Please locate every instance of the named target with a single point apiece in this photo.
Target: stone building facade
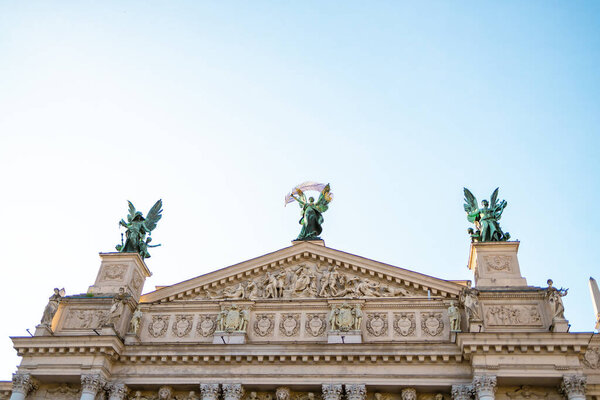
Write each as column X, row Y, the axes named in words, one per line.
column 309, row 322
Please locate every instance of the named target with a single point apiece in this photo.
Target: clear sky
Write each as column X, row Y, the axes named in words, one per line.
column 220, row 108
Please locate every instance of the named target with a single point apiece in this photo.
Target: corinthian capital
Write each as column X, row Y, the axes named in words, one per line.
column 573, row 386
column 232, row 391
column 332, row 391
column 23, row 383
column 462, row 392
column 484, row 386
column 92, row 383
column 356, row 392
column 409, row 394
column 209, row 391
column 117, row 391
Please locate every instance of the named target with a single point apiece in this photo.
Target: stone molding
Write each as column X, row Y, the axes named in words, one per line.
column 117, row 391
column 332, row 391
column 92, row 383
column 409, row 394
column 462, row 392
column 232, row 391
column 209, row 391
column 356, row 392
column 573, row 386
column 484, row 386
column 24, row 383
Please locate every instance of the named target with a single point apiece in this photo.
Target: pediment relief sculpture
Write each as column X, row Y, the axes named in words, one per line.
column 307, row 280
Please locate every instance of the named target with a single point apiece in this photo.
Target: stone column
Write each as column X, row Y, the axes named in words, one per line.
column 209, row 391
column 232, row 391
column 573, row 387
column 117, row 391
column 462, row 392
column 409, row 394
column 90, row 385
column 484, row 387
column 356, row 392
column 22, row 385
column 332, row 391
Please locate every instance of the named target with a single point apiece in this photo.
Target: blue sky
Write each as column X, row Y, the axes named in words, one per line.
column 220, row 108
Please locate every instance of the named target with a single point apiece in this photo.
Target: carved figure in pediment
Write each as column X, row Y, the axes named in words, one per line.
column 305, row 281
column 368, row 288
column 281, row 283
column 270, row 285
column 387, row 291
column 329, row 282
column 52, row 306
column 234, row 292
column 469, row 300
column 252, row 290
column 134, row 324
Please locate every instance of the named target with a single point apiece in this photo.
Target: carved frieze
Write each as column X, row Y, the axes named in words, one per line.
column 377, row 324
column 264, row 323
column 432, row 324
column 405, row 324
column 591, row 358
column 503, row 315
column 207, row 324
column 158, row 326
column 315, row 324
column 182, row 325
column 84, row 318
column 527, row 392
column 289, row 325
column 498, row 263
column 114, row 272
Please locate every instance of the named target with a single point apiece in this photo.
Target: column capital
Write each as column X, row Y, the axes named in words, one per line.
column 484, row 386
column 232, row 391
column 356, row 392
column 165, row 393
column 209, row 391
column 573, row 386
column 332, row 391
column 462, row 392
column 92, row 383
column 117, row 391
column 409, row 394
column 23, row 383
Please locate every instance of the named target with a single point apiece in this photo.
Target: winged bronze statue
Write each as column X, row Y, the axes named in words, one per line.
column 137, row 227
column 485, row 218
column 312, row 213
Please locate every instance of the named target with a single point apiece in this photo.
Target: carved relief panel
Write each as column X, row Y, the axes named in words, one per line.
column 207, row 324
column 182, row 325
column 263, row 324
column 405, row 324
column 289, row 324
column 315, row 324
column 512, row 315
column 377, row 324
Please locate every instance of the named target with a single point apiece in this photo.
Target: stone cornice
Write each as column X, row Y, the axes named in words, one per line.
column 307, row 252
column 110, row 346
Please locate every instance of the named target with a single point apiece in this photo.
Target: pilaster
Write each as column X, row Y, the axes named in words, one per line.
column 573, row 387
column 332, row 391
column 356, row 392
column 232, row 391
column 484, row 387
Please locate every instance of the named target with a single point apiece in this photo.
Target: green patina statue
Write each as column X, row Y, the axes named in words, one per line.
column 312, row 216
column 137, row 227
column 485, row 218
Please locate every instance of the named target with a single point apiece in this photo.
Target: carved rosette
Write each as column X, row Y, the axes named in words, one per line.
column 232, row 391
column 23, row 383
column 182, row 325
column 404, row 324
column 264, row 323
column 289, row 324
column 573, row 386
column 92, row 383
column 209, row 391
column 462, row 392
column 165, row 393
column 484, row 386
column 117, row 391
column 332, row 391
column 377, row 324
column 409, row 394
column 356, row 392
column 207, row 324
column 158, row 327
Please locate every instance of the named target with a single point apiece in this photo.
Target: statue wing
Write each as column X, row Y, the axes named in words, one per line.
column 154, row 215
column 494, row 199
column 324, row 199
column 132, row 211
column 470, row 202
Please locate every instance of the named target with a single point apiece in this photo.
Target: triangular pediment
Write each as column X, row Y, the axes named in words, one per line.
column 306, row 270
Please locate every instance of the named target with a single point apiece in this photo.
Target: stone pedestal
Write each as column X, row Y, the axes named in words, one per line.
column 476, row 325
column 344, row 337
column 495, row 265
column 559, row 325
column 319, row 242
column 121, row 270
column 229, row 338
column 43, row 330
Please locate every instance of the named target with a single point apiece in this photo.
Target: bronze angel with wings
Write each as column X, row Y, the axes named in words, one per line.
column 312, row 213
column 137, row 227
column 485, row 218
